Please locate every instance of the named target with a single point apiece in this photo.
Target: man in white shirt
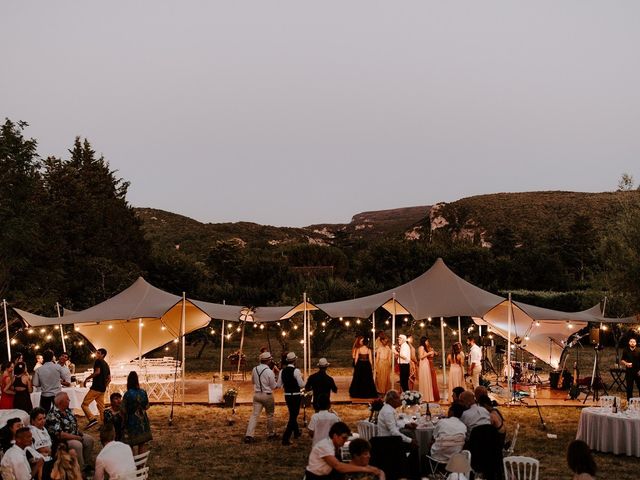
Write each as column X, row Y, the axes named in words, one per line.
column 115, row 458
column 264, row 382
column 323, row 461
column 404, row 361
column 474, row 415
column 15, row 459
column 388, row 425
column 475, row 361
column 449, row 435
column 322, row 421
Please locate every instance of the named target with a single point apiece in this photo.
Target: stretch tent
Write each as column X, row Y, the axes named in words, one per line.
column 543, row 331
column 137, row 320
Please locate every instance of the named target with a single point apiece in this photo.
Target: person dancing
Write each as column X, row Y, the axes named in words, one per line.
column 428, row 381
column 455, row 361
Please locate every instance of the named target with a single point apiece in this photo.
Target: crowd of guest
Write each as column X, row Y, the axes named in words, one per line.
column 50, row 444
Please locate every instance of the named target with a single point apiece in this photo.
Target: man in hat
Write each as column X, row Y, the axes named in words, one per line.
column 291, row 380
column 264, row 382
column 320, row 383
column 404, row 362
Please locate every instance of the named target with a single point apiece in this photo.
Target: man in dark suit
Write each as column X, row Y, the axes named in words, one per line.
column 631, row 360
column 321, row 383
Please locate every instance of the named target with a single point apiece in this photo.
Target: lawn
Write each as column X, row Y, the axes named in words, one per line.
column 202, row 444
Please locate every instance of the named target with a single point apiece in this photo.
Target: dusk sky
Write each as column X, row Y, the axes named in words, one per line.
column 293, row 113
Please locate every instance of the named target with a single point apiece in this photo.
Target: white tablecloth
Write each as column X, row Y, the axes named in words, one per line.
column 76, row 396
column 6, row 415
column 607, row 432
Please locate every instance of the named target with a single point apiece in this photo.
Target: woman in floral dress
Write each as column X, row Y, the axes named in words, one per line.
column 134, row 410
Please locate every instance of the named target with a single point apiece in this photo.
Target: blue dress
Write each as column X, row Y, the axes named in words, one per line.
column 136, row 423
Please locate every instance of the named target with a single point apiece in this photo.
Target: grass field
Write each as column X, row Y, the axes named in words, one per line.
column 202, row 444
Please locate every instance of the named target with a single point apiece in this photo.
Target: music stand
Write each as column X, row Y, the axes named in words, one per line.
column 487, row 366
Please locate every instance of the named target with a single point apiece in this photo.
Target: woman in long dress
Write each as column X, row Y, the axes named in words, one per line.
column 134, row 408
column 22, row 388
column 383, row 366
column 362, row 385
column 427, row 379
column 455, row 361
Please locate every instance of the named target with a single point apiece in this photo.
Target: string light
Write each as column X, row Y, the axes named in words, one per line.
column 537, row 324
column 80, row 343
column 255, row 325
column 175, row 340
column 42, row 330
column 358, row 321
column 262, row 326
column 604, row 327
column 301, row 342
column 295, row 327
column 405, row 319
column 13, row 341
column 228, row 337
column 30, row 330
column 77, row 329
column 347, row 323
column 340, row 318
column 37, row 347
column 166, row 349
column 110, row 327
column 284, row 334
column 491, row 336
column 526, row 338
column 229, row 326
column 422, row 325
column 310, row 332
column 163, row 328
column 324, row 324
column 386, row 322
column 49, row 337
column 429, row 319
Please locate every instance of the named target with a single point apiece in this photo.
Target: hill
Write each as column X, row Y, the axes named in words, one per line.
column 528, row 215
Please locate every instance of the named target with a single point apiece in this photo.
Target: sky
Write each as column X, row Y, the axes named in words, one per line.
column 292, row 113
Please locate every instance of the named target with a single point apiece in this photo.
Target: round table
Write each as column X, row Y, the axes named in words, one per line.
column 617, row 433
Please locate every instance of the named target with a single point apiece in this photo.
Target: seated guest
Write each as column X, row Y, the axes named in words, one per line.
column 581, row 461
column 360, row 451
column 449, row 435
column 41, row 439
column 113, row 415
column 322, row 421
column 15, row 458
column 474, row 415
column 388, row 425
column 496, row 417
column 323, row 463
column 63, row 428
column 479, row 391
column 8, row 433
column 66, row 466
column 115, row 458
column 455, row 397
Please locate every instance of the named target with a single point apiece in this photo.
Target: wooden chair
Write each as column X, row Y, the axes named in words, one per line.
column 521, row 468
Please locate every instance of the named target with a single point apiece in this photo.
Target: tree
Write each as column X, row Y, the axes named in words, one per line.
column 99, row 239
column 626, row 183
column 26, row 269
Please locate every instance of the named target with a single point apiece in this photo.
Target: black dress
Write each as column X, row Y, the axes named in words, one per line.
column 362, row 385
column 22, row 398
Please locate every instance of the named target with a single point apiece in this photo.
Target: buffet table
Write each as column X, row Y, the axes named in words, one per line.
column 617, row 433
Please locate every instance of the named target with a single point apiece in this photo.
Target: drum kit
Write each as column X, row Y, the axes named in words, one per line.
column 524, row 373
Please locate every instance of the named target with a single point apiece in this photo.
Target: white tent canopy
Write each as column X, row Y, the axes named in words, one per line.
column 543, row 331
column 114, row 324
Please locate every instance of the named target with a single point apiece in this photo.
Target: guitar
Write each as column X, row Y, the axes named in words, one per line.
column 574, row 390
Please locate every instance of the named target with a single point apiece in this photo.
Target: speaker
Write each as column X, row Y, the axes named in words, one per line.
column 594, row 336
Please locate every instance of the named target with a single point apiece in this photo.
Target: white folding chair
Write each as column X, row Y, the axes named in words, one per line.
column 142, row 474
column 512, row 446
column 521, row 468
column 367, row 430
column 449, row 445
column 141, row 459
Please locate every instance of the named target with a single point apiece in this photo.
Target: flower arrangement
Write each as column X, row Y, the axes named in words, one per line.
column 410, row 397
column 374, row 409
column 231, row 393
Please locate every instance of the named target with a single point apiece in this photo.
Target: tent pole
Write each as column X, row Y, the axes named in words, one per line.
column 373, row 331
column 221, row 349
column 140, row 344
column 64, row 347
column 304, row 332
column 183, row 329
column 393, row 342
column 241, row 345
column 445, row 394
column 224, row 302
column 309, row 318
column 6, row 328
column 509, row 321
column 459, row 331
